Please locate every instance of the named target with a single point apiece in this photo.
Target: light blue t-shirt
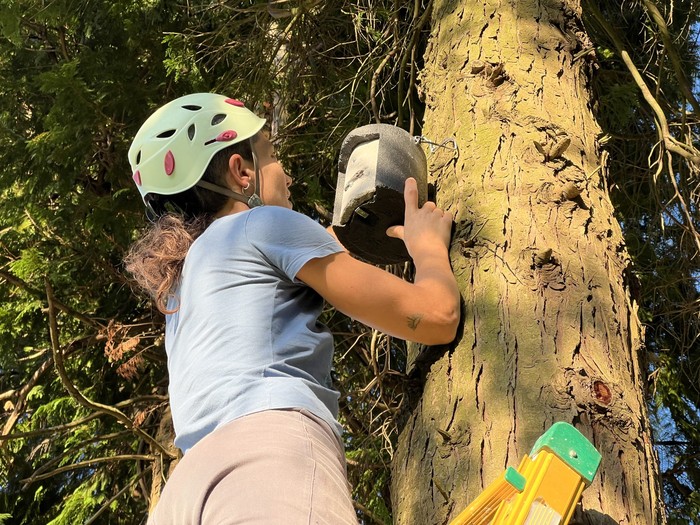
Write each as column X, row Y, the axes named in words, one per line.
column 246, row 337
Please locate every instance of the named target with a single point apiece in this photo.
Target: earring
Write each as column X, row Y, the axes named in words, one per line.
column 246, row 187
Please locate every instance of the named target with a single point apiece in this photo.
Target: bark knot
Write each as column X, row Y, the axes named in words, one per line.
column 602, row 393
column 494, row 73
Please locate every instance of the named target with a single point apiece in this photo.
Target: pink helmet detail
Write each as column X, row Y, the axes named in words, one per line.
column 169, row 163
column 137, row 177
column 235, row 102
column 227, row 135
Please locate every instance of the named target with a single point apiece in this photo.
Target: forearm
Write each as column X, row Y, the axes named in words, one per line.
column 437, row 284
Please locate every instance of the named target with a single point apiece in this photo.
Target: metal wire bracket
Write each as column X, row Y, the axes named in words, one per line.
column 449, row 143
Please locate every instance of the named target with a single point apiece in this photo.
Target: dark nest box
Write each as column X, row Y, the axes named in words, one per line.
column 374, row 163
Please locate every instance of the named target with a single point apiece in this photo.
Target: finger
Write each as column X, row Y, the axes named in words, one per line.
column 410, row 195
column 395, row 231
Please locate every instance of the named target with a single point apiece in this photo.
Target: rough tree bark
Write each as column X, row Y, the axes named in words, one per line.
column 550, row 332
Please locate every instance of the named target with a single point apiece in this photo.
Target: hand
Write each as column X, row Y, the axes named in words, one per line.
column 426, row 230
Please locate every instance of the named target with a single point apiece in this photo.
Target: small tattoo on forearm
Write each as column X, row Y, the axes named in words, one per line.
column 413, row 321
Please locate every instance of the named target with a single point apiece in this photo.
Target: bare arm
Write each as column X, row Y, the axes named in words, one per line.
column 425, row 311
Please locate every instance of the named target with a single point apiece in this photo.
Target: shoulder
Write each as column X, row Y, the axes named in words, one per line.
column 275, row 212
column 273, row 230
column 287, row 239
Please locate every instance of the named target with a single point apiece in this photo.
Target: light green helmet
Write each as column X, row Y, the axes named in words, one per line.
column 173, row 148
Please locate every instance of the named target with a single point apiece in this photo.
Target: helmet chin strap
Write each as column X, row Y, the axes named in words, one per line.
column 252, row 201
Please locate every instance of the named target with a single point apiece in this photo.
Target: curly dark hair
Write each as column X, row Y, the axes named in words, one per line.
column 155, row 260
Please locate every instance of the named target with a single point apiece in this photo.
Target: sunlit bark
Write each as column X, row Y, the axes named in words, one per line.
column 549, row 330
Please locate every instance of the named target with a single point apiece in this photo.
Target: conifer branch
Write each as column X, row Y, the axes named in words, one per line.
column 79, row 396
column 78, row 422
column 671, row 144
column 108, row 503
column 9, row 394
column 22, row 397
column 19, row 283
column 89, row 463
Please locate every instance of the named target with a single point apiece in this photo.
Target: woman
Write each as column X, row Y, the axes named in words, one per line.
column 242, row 286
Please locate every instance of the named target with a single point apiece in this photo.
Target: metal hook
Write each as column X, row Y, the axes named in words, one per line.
column 420, row 139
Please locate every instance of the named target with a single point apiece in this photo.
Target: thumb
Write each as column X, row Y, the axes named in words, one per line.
column 395, row 231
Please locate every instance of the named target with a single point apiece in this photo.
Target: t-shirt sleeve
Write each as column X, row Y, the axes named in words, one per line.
column 287, row 239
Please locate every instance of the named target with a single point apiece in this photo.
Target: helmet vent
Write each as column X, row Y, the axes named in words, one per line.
column 138, row 157
column 192, row 107
column 166, row 134
column 190, row 131
column 218, row 119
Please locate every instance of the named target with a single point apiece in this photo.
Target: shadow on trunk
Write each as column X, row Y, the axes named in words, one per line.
column 591, row 517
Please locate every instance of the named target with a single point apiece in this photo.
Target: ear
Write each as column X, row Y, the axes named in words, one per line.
column 239, row 175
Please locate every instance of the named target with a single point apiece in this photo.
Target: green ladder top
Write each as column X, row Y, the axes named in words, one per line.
column 572, row 447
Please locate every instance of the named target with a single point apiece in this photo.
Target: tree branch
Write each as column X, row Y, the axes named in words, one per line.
column 22, row 397
column 684, row 206
column 671, row 144
column 409, row 52
column 686, row 151
column 375, row 78
column 57, row 459
column 7, row 395
column 126, row 487
column 88, row 463
column 73, row 424
column 672, row 53
column 57, row 304
column 368, row 513
column 77, row 395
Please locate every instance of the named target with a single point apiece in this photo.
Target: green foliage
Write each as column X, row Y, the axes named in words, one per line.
column 30, row 263
column 65, row 123
column 78, row 507
column 616, row 102
column 369, row 485
column 76, row 80
column 180, row 61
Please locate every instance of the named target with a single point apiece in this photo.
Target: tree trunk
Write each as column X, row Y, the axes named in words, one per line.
column 550, row 332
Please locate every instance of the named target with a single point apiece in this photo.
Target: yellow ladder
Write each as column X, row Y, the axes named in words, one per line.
column 545, row 488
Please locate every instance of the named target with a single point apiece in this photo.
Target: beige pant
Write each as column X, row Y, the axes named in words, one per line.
column 273, row 467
